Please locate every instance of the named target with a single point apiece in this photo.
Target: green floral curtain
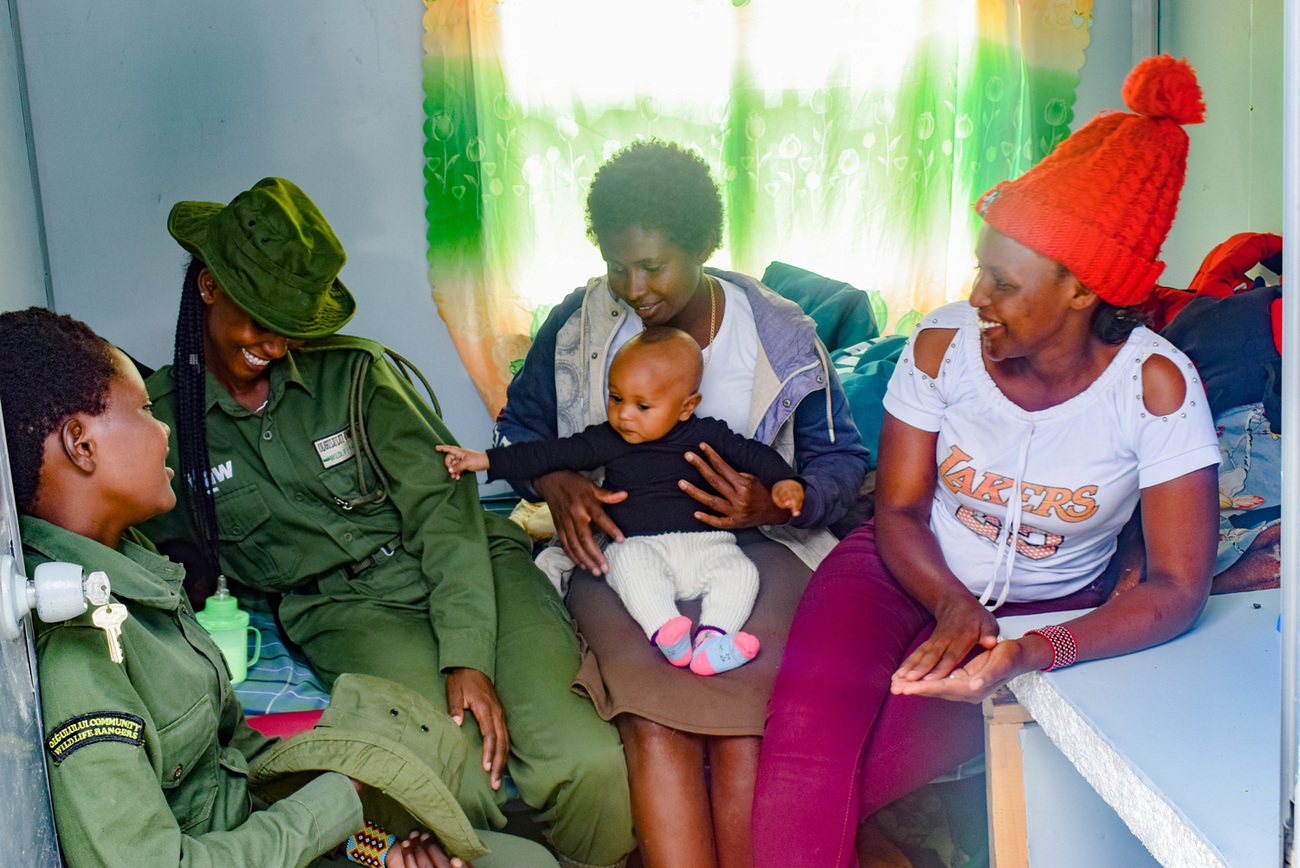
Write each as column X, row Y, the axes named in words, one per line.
column 849, row 138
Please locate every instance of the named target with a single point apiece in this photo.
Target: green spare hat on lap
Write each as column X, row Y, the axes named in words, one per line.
column 272, row 251
column 387, row 736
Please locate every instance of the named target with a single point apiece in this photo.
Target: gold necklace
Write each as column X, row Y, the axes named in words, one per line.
column 713, row 322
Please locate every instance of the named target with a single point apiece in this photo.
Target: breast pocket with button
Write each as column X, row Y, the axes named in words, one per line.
column 187, row 765
column 341, row 482
column 252, row 542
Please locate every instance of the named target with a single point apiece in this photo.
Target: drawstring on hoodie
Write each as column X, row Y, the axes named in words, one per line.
column 826, row 372
column 1008, row 545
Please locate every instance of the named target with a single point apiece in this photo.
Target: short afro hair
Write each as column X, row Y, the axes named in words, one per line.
column 52, row 367
column 656, row 185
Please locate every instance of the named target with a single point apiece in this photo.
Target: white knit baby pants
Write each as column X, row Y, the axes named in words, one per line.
column 651, row 573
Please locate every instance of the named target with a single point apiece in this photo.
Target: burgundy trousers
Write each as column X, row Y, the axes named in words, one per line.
column 838, row 745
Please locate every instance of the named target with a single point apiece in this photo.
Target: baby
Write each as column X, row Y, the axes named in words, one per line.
column 668, row 554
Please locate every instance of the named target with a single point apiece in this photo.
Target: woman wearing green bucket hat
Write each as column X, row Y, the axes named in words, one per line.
column 306, row 467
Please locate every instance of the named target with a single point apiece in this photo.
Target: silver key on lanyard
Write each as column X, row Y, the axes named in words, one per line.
column 109, row 619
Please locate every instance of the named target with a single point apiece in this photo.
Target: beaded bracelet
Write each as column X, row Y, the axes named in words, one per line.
column 1064, row 651
column 369, row 846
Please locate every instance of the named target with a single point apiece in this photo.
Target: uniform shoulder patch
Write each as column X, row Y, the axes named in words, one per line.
column 74, row 734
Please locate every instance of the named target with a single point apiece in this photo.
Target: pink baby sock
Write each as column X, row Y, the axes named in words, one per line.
column 719, row 652
column 674, row 639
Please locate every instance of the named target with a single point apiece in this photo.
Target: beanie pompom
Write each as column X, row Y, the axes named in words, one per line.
column 1101, row 203
column 1162, row 87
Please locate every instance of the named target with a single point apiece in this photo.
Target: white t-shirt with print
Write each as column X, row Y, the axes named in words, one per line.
column 1079, row 465
column 728, row 383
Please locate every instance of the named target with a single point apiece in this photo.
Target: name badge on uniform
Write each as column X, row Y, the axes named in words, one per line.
column 335, row 448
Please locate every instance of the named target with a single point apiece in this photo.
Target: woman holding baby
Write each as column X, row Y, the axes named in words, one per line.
column 656, row 215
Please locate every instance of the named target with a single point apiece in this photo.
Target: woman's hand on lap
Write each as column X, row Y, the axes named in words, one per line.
column 741, row 498
column 471, row 689
column 961, row 624
column 575, row 504
column 982, row 674
column 421, row 850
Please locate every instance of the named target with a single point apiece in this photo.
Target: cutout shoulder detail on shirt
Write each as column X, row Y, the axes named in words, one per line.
column 1163, row 386
column 929, row 349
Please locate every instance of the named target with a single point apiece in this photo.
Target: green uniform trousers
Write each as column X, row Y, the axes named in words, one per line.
column 566, row 762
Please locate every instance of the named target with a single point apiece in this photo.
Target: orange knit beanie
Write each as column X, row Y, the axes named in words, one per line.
column 1101, row 204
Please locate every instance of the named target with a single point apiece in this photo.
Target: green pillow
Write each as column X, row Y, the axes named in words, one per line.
column 841, row 311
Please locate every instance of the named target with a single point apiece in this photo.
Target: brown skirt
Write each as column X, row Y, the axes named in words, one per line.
column 623, row 673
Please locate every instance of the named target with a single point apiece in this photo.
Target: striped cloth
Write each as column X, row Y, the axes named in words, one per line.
column 281, row 680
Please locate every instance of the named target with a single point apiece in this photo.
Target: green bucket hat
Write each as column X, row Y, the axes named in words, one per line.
column 272, row 251
column 387, row 736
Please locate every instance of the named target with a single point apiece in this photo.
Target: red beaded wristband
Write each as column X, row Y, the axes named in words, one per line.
column 1064, row 651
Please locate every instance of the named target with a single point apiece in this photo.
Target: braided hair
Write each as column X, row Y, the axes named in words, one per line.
column 188, row 374
column 52, row 367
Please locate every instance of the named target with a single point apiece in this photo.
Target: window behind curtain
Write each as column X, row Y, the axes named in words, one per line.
column 849, row 138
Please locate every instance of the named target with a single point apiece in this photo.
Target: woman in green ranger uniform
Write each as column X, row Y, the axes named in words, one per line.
column 305, row 466
column 148, row 749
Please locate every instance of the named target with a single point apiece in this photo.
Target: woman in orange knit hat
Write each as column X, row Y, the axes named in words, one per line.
column 1022, row 429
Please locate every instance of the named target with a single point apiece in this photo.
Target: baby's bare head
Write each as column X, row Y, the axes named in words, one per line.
column 671, row 352
column 654, row 382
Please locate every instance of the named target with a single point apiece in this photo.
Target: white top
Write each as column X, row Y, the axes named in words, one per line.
column 729, row 379
column 1079, row 465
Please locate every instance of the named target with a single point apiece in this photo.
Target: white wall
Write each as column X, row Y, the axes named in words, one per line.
column 1234, row 168
column 22, row 274
column 139, row 103
column 1234, row 171
column 1106, row 61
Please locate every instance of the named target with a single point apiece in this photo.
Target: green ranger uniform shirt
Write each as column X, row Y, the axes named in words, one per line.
column 282, row 482
column 148, row 758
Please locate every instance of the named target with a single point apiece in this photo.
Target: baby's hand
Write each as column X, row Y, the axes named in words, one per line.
column 788, row 494
column 461, row 460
